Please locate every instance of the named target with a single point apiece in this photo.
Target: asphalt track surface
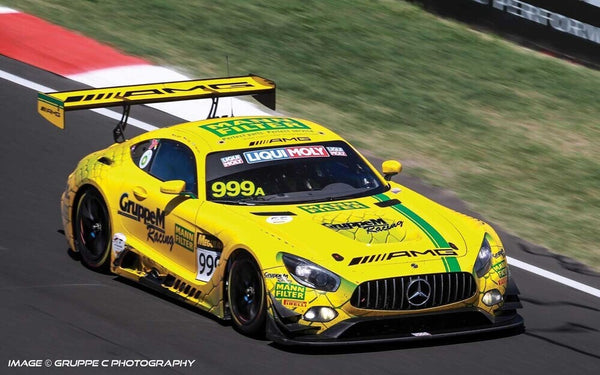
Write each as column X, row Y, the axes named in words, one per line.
column 51, row 307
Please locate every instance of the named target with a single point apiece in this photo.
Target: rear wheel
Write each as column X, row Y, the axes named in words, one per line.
column 92, row 231
column 246, row 293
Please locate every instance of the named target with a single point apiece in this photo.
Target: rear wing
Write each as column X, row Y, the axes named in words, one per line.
column 52, row 106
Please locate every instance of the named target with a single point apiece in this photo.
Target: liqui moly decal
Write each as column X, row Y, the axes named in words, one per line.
column 260, row 156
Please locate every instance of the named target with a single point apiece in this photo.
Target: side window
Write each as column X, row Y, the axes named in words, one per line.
column 167, row 160
column 143, row 153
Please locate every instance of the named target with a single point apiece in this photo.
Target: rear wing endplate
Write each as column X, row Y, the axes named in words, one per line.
column 52, row 106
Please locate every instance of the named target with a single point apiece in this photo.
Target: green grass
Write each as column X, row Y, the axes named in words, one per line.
column 514, row 133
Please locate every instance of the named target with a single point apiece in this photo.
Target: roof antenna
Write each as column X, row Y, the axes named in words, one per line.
column 230, row 99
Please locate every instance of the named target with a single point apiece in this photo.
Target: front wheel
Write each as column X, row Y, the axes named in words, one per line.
column 246, row 293
column 92, row 231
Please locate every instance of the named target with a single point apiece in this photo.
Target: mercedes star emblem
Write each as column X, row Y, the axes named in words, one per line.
column 418, row 292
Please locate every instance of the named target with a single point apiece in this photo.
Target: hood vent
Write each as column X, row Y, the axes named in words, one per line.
column 280, row 213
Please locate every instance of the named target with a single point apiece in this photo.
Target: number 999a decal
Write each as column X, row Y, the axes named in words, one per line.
column 207, row 261
column 220, row 189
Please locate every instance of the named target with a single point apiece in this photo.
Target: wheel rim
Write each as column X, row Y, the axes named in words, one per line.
column 246, row 292
column 94, row 228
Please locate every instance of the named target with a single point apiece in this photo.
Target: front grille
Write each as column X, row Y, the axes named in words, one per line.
column 393, row 293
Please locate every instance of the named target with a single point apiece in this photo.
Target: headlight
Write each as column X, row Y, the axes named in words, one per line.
column 484, row 258
column 311, row 275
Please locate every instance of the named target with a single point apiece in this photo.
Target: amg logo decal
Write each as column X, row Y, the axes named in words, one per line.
column 279, row 140
column 371, row 226
column 116, row 93
column 50, row 111
column 398, row 254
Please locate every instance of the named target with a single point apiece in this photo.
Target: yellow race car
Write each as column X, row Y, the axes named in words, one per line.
column 278, row 225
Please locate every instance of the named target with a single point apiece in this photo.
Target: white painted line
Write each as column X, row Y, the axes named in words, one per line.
column 145, row 126
column 23, row 82
column 102, row 111
column 554, row 277
column 5, row 10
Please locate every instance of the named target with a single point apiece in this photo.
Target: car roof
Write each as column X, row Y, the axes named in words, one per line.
column 230, row 133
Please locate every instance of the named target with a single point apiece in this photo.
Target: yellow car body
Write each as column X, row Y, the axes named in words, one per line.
column 375, row 263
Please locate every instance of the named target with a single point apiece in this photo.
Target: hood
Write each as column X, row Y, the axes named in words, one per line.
column 380, row 230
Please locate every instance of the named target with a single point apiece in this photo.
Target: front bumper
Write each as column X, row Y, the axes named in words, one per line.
column 401, row 328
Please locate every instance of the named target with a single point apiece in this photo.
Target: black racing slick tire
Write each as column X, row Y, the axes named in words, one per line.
column 92, row 230
column 246, row 295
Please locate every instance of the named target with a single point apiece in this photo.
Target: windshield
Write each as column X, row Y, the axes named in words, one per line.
column 294, row 174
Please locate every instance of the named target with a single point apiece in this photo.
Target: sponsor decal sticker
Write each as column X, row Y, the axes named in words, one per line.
column 281, row 277
column 293, row 303
column 371, row 226
column 289, row 291
column 336, row 151
column 500, row 268
column 420, row 334
column 329, row 207
column 145, row 159
column 294, row 152
column 208, row 241
column 230, row 161
column 154, row 219
column 184, row 237
column 279, row 219
column 229, row 128
column 118, row 244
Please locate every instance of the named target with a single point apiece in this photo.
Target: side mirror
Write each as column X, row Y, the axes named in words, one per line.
column 172, row 187
column 390, row 168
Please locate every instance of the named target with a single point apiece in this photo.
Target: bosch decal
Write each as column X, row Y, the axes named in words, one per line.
column 399, row 254
column 371, row 226
column 328, row 207
column 285, row 153
column 241, row 126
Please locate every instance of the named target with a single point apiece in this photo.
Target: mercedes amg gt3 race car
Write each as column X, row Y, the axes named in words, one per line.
column 278, row 225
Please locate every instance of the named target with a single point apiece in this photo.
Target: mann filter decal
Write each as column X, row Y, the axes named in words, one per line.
column 289, row 291
column 184, row 237
column 329, row 207
column 242, row 126
column 295, row 152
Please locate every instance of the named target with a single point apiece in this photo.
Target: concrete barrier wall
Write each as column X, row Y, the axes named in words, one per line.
column 569, row 28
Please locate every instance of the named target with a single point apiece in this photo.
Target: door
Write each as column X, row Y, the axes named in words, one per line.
column 164, row 222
